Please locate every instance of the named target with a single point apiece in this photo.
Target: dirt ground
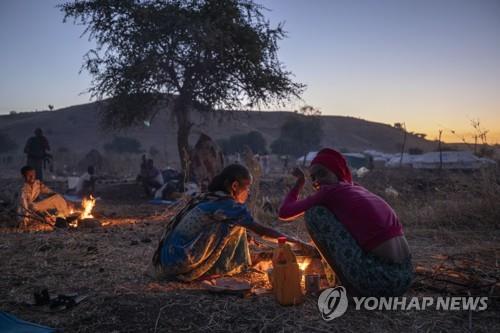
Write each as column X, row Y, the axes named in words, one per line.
column 450, row 221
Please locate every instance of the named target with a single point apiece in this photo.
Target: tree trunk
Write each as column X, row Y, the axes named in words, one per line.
column 181, row 111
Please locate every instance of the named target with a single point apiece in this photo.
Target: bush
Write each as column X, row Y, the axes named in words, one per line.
column 123, row 145
column 299, row 135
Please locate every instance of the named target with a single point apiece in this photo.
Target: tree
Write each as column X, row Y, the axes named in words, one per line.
column 299, row 135
column 308, row 110
column 204, row 54
column 51, row 107
column 121, row 144
column 236, row 143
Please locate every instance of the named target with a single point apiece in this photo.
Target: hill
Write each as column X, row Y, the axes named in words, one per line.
column 77, row 129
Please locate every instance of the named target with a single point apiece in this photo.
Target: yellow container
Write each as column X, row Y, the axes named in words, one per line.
column 286, row 275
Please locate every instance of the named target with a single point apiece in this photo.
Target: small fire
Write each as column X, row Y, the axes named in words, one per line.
column 304, row 264
column 88, row 205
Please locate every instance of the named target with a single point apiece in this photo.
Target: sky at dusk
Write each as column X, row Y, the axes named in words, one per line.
column 433, row 64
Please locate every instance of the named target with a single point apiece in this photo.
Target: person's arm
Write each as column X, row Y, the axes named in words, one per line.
column 44, row 189
column 267, row 233
column 24, row 203
column 272, row 235
column 246, row 220
column 292, row 208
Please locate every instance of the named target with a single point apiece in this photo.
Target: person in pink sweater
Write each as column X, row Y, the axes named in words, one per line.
column 356, row 231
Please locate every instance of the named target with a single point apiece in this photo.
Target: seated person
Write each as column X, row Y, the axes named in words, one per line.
column 173, row 185
column 356, row 231
column 150, row 177
column 30, row 203
column 86, row 183
column 208, row 236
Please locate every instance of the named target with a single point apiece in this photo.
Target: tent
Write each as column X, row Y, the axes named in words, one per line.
column 464, row 160
column 354, row 160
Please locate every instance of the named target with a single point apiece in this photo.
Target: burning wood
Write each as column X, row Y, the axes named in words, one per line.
column 87, row 204
column 304, row 264
column 86, row 214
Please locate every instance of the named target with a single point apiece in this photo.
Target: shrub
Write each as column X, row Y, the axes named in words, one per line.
column 123, row 145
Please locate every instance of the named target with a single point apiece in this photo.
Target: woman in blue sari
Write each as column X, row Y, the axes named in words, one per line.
column 208, row 236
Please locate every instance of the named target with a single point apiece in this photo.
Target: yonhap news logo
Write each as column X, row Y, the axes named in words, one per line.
column 333, row 303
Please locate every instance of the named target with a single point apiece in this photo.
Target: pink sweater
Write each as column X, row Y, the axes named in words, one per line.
column 369, row 219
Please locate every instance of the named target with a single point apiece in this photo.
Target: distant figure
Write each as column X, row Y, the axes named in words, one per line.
column 237, row 159
column 207, row 161
column 144, row 163
column 36, row 149
column 150, row 177
column 285, row 163
column 86, row 183
column 265, row 164
column 173, row 185
column 94, row 158
column 31, row 206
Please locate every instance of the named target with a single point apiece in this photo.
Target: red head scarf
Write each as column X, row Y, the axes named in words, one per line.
column 335, row 162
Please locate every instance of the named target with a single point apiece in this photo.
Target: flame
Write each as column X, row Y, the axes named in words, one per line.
column 304, row 264
column 88, row 205
column 264, row 265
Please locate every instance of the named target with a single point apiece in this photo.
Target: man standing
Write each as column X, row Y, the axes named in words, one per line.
column 36, row 149
column 30, row 203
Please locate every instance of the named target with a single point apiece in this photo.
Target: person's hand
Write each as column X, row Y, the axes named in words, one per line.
column 50, row 219
column 299, row 175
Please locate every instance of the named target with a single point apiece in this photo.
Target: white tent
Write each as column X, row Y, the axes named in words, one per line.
column 309, row 157
column 395, row 160
column 450, row 160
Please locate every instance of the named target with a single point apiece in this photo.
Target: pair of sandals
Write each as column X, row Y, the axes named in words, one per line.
column 60, row 302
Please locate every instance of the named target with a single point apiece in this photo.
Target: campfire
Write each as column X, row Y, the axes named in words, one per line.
column 85, row 218
column 87, row 204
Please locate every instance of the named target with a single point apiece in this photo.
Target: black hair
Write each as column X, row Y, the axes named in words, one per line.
column 231, row 173
column 25, row 169
column 91, row 169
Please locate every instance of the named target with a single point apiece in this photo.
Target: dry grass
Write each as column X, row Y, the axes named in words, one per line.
column 446, row 234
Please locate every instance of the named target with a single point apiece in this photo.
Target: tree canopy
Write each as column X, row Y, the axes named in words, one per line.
column 299, row 135
column 209, row 54
column 236, row 143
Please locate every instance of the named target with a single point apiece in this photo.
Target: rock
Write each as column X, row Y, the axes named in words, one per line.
column 89, row 223
column 134, row 242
